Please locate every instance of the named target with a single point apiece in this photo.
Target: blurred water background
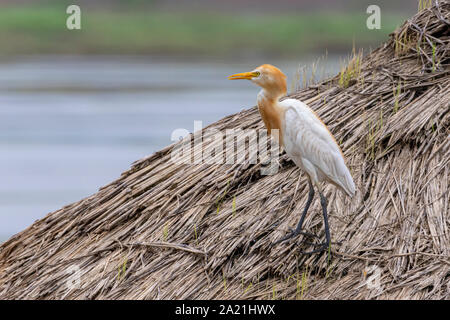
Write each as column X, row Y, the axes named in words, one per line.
column 78, row 107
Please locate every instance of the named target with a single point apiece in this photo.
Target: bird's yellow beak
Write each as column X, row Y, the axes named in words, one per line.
column 244, row 75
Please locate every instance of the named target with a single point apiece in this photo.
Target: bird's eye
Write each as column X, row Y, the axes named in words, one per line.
column 257, row 73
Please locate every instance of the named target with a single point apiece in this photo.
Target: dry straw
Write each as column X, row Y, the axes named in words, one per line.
column 157, row 232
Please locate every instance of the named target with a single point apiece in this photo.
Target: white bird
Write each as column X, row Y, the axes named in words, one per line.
column 305, row 138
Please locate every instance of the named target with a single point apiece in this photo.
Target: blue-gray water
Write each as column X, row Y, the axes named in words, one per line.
column 71, row 125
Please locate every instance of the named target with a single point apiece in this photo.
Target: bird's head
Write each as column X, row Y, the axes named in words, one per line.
column 266, row 76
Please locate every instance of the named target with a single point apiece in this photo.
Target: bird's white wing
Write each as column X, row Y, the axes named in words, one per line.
column 309, row 143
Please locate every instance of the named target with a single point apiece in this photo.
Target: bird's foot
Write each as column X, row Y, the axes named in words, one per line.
column 294, row 233
column 325, row 246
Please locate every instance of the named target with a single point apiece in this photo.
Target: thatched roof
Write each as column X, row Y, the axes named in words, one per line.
column 169, row 231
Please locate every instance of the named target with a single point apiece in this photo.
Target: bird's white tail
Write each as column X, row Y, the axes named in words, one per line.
column 347, row 183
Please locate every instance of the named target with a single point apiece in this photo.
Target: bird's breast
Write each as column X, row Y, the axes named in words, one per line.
column 272, row 116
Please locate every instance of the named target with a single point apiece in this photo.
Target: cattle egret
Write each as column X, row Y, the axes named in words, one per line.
column 305, row 138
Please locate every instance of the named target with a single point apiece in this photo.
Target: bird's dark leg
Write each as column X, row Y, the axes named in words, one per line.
column 323, row 202
column 297, row 230
column 326, row 245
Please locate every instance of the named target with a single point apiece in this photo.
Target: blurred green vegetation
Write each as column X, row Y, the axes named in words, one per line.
column 42, row 30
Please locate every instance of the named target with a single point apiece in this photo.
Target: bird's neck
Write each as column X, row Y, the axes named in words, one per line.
column 271, row 112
